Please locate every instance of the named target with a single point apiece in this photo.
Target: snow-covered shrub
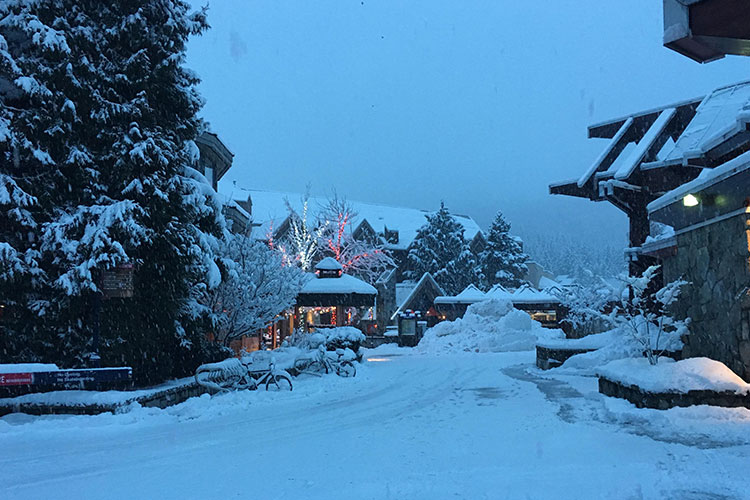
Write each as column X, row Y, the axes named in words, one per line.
column 647, row 316
column 585, row 309
column 343, row 337
column 488, row 326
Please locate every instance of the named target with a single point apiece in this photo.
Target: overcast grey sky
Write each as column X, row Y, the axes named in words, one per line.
column 478, row 103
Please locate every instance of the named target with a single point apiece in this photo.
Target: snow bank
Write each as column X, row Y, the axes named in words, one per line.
column 27, row 368
column 489, row 326
column 693, row 374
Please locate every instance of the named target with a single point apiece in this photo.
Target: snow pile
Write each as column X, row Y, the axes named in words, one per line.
column 693, row 374
column 489, row 326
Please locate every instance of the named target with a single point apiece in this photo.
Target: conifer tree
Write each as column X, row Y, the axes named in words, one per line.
column 440, row 249
column 502, row 261
column 97, row 122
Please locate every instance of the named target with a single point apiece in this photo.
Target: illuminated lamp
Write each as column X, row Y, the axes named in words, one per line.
column 690, row 200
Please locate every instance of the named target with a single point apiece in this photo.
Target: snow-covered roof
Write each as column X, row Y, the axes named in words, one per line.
column 545, row 282
column 469, row 295
column 637, row 155
column 499, row 292
column 722, row 114
column 269, row 211
column 403, row 290
column 706, row 178
column 526, row 294
column 344, row 284
column 329, row 264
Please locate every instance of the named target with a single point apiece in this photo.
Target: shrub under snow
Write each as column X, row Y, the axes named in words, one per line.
column 488, row 326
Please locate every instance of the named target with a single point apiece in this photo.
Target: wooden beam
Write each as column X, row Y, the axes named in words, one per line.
column 644, row 119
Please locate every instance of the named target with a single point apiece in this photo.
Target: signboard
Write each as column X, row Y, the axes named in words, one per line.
column 117, row 282
column 8, row 379
column 68, row 377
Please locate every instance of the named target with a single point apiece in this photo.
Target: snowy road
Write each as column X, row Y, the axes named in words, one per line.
column 409, row 426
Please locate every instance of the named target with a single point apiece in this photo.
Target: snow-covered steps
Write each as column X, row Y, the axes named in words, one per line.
column 689, row 382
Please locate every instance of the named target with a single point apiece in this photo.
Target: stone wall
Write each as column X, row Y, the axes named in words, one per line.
column 666, row 400
column 715, row 259
column 548, row 358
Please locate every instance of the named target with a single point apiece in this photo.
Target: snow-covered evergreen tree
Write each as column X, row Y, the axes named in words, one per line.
column 97, row 122
column 502, row 261
column 440, row 249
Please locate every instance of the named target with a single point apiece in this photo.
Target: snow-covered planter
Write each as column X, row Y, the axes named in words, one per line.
column 693, row 381
column 488, row 326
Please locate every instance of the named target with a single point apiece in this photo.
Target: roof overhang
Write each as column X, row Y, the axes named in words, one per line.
column 335, row 299
column 707, row 30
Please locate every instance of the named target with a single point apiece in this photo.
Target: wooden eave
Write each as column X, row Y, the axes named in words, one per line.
column 706, row 30
column 570, row 188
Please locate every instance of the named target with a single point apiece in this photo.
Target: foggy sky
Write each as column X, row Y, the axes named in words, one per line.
column 481, row 104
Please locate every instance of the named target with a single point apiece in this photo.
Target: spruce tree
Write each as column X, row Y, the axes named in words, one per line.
column 440, row 249
column 97, row 122
column 502, row 261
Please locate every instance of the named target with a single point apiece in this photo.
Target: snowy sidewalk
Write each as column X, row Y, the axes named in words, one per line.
column 408, row 426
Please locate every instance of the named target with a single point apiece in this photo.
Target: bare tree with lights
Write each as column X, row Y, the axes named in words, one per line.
column 365, row 257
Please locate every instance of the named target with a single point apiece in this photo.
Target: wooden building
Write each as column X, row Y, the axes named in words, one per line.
column 686, row 186
column 420, row 297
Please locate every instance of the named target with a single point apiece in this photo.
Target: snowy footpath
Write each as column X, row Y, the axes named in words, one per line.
column 410, row 425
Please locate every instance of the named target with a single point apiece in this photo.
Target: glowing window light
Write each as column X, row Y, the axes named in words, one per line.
column 690, row 200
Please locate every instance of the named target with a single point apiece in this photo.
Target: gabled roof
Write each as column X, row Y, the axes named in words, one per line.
column 426, row 281
column 525, row 294
column 269, row 210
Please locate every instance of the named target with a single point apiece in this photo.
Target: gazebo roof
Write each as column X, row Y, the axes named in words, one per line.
column 329, row 264
column 345, row 290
